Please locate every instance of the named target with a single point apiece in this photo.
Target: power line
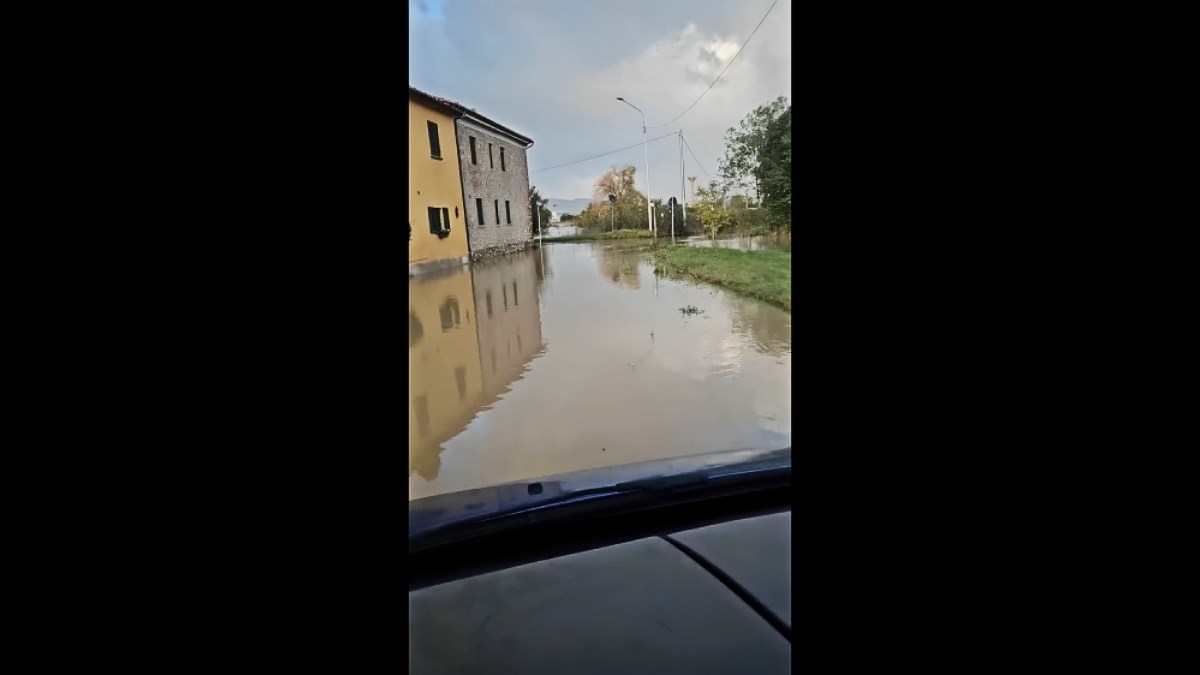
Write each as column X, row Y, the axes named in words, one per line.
column 714, row 82
column 559, row 166
column 689, row 147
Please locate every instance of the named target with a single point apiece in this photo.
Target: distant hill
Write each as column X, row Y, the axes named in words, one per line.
column 571, row 206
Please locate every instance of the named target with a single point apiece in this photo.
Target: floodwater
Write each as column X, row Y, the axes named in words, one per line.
column 577, row 356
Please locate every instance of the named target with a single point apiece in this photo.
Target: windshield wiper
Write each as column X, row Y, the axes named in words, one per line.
column 436, row 520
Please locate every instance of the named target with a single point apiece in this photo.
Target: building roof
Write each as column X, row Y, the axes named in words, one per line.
column 461, row 110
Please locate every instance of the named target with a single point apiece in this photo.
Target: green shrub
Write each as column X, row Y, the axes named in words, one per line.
column 628, row 234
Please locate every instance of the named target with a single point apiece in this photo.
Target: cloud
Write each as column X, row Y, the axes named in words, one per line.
column 553, row 70
column 430, row 9
column 665, row 79
column 661, row 80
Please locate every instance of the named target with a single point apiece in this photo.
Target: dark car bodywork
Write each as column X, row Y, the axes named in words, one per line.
column 686, row 576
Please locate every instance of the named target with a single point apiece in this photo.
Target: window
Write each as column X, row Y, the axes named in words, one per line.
column 479, row 210
column 473, row 160
column 435, row 145
column 502, row 158
column 449, row 314
column 422, row 405
column 491, row 160
column 415, row 331
column 496, row 203
column 507, row 213
column 439, row 221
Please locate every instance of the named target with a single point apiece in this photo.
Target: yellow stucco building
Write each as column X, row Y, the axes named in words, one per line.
column 437, row 223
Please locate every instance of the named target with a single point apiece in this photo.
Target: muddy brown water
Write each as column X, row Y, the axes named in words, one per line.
column 577, row 356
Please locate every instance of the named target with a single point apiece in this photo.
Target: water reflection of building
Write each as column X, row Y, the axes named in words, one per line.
column 471, row 333
column 510, row 325
column 443, row 356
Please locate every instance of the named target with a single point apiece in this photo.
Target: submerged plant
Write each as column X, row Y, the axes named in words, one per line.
column 690, row 309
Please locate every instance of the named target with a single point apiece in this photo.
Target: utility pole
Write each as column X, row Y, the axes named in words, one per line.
column 693, row 181
column 682, row 190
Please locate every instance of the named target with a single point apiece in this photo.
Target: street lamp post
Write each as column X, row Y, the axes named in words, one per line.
column 646, row 149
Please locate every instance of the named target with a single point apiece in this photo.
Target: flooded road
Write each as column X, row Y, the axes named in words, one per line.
column 577, row 356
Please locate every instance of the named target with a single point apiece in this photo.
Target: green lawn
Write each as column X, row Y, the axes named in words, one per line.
column 766, row 275
column 600, row 236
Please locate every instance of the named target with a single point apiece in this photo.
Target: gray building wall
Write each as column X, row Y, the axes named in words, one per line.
column 482, row 180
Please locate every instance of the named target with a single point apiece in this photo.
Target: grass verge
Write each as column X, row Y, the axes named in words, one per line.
column 766, row 275
column 600, row 236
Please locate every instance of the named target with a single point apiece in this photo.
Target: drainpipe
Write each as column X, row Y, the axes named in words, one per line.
column 537, row 215
column 462, row 185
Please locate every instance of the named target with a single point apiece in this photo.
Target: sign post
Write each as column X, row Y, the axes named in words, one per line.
column 672, row 202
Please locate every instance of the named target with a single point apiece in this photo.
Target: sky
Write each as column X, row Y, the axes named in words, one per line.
column 552, row 70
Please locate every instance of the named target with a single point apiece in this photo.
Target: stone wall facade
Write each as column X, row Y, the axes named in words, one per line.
column 498, row 187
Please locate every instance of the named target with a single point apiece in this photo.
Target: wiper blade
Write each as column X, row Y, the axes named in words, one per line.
column 526, row 502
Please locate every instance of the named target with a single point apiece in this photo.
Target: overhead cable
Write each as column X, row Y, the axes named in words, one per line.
column 739, row 51
column 685, row 143
column 628, row 147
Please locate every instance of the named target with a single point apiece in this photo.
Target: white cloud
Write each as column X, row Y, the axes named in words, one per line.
column 553, row 70
column 664, row 79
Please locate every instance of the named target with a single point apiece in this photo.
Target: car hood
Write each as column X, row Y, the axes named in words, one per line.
column 709, row 600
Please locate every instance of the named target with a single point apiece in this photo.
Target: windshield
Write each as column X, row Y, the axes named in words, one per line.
column 560, row 320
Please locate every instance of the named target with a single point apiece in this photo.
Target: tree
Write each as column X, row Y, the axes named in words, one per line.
column 619, row 182
column 534, row 198
column 758, row 154
column 629, row 210
column 710, row 212
column 777, row 174
column 741, row 202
